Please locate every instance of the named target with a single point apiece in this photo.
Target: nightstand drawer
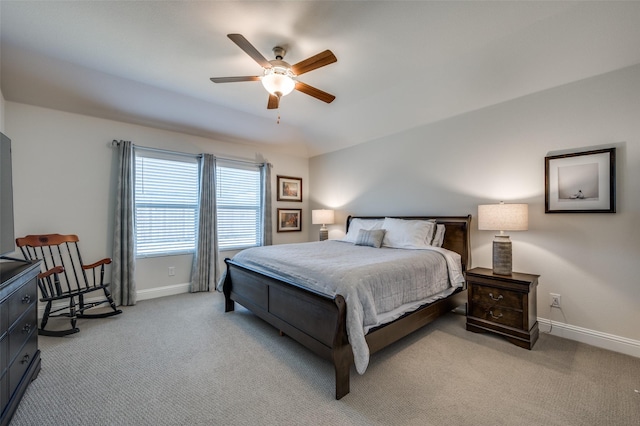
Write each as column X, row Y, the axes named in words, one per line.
column 493, row 296
column 503, row 304
column 497, row 315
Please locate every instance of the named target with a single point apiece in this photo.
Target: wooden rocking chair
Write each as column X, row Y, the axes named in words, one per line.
column 65, row 279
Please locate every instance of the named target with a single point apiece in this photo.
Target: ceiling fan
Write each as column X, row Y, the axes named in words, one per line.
column 279, row 78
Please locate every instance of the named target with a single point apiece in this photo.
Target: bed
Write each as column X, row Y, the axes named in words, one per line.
column 318, row 317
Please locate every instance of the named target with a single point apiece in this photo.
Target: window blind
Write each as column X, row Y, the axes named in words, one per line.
column 239, row 206
column 166, row 203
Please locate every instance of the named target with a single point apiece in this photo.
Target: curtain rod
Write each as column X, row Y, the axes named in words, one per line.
column 166, row 151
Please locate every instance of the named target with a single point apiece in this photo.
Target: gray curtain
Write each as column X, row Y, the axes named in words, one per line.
column 205, row 259
column 123, row 285
column 267, row 223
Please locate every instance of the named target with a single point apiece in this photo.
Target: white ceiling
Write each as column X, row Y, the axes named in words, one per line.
column 400, row 64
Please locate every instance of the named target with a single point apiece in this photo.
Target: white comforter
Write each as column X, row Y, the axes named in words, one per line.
column 378, row 284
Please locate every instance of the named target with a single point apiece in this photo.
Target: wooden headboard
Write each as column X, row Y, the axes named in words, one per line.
column 456, row 236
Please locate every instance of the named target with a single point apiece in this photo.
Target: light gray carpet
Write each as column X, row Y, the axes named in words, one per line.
column 181, row 361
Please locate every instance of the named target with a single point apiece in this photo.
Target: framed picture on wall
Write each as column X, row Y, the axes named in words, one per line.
column 289, row 220
column 581, row 182
column 289, row 188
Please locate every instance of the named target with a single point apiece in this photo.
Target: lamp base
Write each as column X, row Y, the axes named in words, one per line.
column 324, row 234
column 502, row 255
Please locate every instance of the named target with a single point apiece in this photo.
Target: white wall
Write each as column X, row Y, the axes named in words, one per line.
column 498, row 153
column 64, row 171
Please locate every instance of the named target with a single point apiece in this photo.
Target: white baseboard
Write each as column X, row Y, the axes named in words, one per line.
column 169, row 290
column 591, row 337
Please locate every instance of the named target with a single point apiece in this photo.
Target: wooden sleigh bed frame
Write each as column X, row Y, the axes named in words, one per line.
column 318, row 321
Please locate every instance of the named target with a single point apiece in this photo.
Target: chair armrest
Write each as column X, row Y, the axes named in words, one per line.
column 56, row 270
column 104, row 261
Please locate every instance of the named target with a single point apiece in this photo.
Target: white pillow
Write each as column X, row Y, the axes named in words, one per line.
column 357, row 224
column 438, row 237
column 408, row 234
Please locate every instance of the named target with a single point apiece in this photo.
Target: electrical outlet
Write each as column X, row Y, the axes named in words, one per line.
column 172, row 271
column 555, row 300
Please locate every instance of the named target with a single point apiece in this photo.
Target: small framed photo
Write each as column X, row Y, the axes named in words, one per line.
column 289, row 220
column 289, row 188
column 582, row 182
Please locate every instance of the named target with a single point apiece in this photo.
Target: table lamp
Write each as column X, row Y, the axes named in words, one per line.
column 322, row 217
column 503, row 217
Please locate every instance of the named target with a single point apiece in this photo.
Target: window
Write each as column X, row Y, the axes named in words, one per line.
column 239, row 206
column 166, row 203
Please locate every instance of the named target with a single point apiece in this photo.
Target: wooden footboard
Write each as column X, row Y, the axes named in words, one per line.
column 318, row 321
column 311, row 318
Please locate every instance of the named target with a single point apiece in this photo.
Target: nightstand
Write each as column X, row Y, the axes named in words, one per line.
column 504, row 305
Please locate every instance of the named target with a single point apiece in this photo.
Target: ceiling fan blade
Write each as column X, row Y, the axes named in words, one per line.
column 273, row 103
column 320, row 60
column 234, row 79
column 316, row 93
column 248, row 48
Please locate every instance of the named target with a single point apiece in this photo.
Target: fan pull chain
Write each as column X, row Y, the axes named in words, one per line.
column 278, row 120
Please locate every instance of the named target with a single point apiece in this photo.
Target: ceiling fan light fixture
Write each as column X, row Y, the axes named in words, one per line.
column 279, row 78
column 278, row 81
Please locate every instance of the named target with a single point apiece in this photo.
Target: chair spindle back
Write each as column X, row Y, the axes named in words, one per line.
column 57, row 250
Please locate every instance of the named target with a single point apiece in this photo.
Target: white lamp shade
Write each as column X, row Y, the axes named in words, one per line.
column 503, row 217
column 322, row 217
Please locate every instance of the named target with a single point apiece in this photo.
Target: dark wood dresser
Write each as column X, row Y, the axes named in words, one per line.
column 19, row 354
column 503, row 304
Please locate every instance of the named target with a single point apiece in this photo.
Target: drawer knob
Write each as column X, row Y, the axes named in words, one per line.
column 26, row 299
column 25, row 359
column 495, row 298
column 26, row 329
column 495, row 317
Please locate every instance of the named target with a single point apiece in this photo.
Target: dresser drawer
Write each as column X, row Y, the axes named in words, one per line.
column 493, row 296
column 4, row 318
column 22, row 330
column 498, row 315
column 4, row 390
column 22, row 361
column 4, row 354
column 24, row 298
